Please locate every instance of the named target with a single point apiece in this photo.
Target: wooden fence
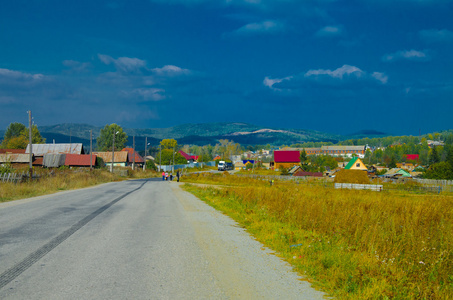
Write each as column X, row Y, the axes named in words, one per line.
column 12, row 177
column 355, row 186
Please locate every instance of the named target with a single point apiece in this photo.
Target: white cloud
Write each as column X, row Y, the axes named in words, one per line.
column 170, row 71
column 124, row 64
column 436, row 36
column 148, row 94
column 380, row 76
column 329, row 31
column 6, row 74
column 265, row 27
column 338, row 73
column 269, row 82
column 347, row 76
column 412, row 55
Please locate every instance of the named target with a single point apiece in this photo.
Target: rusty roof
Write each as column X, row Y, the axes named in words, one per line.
column 38, row 161
column 41, row 149
column 138, row 158
column 14, row 158
column 120, row 156
column 12, row 151
column 79, row 160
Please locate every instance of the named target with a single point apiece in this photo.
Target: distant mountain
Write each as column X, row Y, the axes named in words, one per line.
column 367, row 133
column 198, row 134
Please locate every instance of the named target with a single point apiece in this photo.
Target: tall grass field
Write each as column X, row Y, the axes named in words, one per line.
column 57, row 180
column 351, row 244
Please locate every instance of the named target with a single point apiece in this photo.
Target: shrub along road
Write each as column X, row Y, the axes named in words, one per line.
column 138, row 239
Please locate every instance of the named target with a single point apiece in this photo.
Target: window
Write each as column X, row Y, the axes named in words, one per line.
column 357, row 165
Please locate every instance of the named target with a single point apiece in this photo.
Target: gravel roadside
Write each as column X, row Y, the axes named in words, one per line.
column 243, row 266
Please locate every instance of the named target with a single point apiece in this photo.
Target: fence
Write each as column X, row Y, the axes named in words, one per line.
column 433, row 181
column 11, row 177
column 355, row 186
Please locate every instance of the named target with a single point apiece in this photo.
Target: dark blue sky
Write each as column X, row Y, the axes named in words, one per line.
column 329, row 65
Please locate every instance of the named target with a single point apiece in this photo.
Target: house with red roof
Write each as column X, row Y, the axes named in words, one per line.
column 79, row 160
column 139, row 161
column 286, row 159
column 188, row 157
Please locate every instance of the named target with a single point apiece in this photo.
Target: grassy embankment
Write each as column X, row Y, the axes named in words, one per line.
column 351, row 244
column 60, row 180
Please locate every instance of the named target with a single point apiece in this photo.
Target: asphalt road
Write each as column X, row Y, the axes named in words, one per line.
column 140, row 239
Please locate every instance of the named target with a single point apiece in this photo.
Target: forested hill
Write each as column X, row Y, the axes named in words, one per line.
column 198, row 134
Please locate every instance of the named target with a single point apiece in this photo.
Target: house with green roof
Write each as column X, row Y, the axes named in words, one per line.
column 356, row 164
column 397, row 172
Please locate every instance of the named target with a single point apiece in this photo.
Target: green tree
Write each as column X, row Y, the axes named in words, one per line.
column 105, row 139
column 392, row 163
column 16, row 142
column 303, row 156
column 434, row 157
column 169, row 144
column 14, row 130
column 36, row 137
column 441, row 170
column 167, row 157
column 150, row 165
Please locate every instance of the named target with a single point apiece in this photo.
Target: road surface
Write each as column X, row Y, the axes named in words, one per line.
column 138, row 239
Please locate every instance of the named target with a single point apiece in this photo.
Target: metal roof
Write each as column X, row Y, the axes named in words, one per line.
column 138, row 158
column 12, row 151
column 287, row 156
column 14, row 158
column 120, row 156
column 344, row 148
column 79, row 160
column 53, row 160
column 41, row 149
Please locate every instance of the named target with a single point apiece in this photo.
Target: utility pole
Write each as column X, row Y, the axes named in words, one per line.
column 160, row 157
column 146, row 145
column 133, row 153
column 30, row 155
column 113, row 151
column 173, row 167
column 91, row 149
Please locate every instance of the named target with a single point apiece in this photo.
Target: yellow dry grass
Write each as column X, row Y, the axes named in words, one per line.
column 57, row 180
column 353, row 244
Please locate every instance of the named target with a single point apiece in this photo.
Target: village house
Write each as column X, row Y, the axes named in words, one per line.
column 139, row 161
column 51, row 155
column 356, row 164
column 286, row 159
column 120, row 159
column 344, row 150
column 188, row 157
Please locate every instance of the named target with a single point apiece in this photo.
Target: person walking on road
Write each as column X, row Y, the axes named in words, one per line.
column 177, row 176
column 166, row 176
column 163, row 176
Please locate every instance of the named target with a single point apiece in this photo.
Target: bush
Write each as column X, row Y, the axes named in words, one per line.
column 352, row 176
column 150, row 165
